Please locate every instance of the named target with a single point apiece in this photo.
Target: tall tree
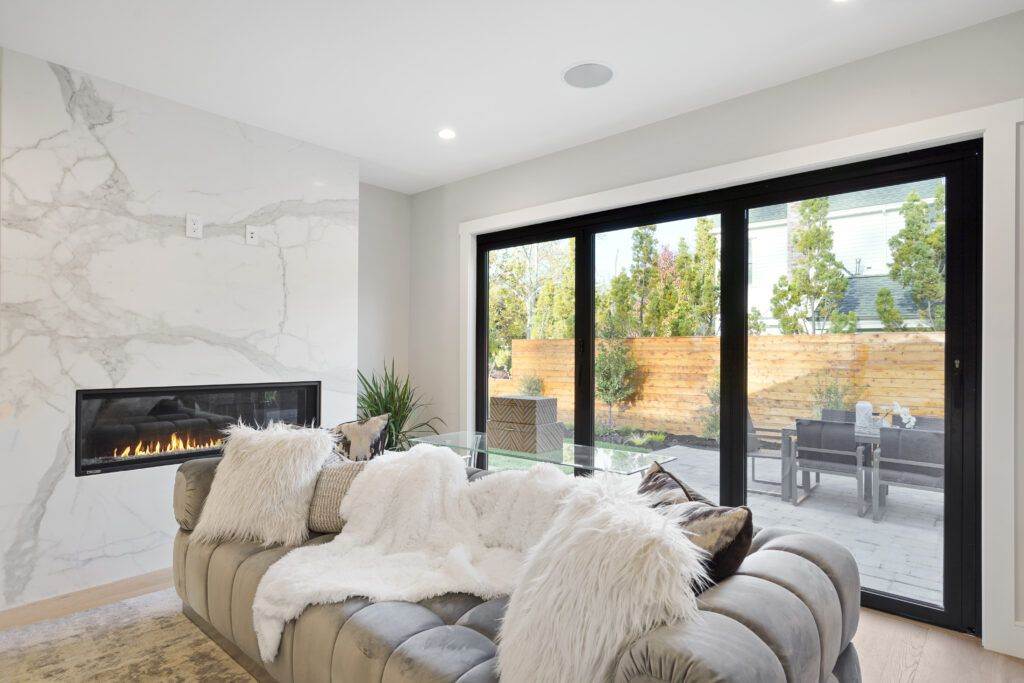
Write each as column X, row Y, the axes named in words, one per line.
column 615, row 317
column 555, row 314
column 919, row 256
column 804, row 301
column 644, row 274
column 697, row 304
column 506, row 314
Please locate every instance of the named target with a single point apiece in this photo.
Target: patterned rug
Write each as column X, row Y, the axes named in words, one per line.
column 141, row 639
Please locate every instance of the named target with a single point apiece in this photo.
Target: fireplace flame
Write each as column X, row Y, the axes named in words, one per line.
column 173, row 444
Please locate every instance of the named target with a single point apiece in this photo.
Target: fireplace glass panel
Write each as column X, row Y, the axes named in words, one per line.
column 128, row 428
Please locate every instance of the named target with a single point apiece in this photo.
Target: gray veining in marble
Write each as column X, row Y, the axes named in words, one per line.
column 99, row 287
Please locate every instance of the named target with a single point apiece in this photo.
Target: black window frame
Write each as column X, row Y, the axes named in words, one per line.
column 960, row 164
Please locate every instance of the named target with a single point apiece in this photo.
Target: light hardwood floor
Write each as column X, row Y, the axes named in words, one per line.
column 891, row 648
column 896, row 649
column 83, row 600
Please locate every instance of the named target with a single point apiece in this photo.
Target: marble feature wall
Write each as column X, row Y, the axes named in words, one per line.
column 99, row 287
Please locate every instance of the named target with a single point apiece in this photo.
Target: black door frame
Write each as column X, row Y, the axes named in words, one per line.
column 960, row 164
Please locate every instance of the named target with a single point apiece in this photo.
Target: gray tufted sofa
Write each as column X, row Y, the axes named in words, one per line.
column 789, row 614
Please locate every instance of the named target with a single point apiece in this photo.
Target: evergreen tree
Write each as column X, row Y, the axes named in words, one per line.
column 644, row 275
column 804, row 301
column 888, row 313
column 698, row 296
column 919, row 256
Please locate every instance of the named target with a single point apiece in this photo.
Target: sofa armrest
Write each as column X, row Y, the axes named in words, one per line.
column 713, row 647
column 191, row 486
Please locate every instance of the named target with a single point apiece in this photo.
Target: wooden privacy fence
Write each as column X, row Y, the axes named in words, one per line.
column 786, row 376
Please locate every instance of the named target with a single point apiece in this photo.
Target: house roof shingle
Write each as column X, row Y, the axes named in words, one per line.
column 862, row 290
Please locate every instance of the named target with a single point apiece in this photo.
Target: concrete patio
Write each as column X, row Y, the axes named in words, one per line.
column 901, row 554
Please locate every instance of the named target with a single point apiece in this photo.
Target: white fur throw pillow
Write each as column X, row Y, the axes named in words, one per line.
column 263, row 485
column 609, row 569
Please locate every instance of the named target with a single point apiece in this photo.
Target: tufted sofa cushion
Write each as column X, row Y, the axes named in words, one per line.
column 787, row 615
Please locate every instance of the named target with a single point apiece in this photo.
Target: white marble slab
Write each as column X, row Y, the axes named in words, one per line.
column 99, row 287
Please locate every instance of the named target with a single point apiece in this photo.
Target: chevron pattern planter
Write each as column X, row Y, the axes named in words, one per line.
column 524, row 410
column 525, row 438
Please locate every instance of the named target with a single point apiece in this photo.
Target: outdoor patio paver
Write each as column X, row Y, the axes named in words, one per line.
column 902, row 554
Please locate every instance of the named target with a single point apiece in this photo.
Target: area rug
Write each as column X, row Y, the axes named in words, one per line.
column 145, row 638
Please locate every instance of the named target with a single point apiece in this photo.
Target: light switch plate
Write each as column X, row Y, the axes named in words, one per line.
column 252, row 234
column 194, row 226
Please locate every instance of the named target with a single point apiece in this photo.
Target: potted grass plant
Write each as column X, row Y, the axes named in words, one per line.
column 386, row 393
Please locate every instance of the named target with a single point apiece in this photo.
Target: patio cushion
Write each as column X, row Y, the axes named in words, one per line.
column 826, row 466
column 912, row 478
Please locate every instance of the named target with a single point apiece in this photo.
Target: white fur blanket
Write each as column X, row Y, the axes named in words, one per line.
column 415, row 528
column 589, row 565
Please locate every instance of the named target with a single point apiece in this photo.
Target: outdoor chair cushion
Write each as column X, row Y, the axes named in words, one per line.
column 910, row 478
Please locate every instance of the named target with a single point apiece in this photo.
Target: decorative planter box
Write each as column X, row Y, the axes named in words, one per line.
column 510, row 436
column 525, row 410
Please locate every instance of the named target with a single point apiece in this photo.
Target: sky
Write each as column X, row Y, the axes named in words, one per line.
column 614, row 250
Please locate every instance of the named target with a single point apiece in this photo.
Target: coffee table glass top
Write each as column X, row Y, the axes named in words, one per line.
column 590, row 458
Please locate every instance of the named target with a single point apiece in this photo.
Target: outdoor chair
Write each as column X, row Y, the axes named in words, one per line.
column 829, row 448
column 911, row 458
column 833, row 415
column 763, row 443
column 925, row 422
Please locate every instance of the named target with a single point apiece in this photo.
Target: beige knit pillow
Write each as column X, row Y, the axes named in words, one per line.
column 331, row 486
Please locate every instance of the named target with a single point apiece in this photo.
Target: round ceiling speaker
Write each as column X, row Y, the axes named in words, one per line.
column 587, row 75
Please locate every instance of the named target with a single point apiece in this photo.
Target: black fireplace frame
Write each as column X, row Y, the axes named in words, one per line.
column 313, row 407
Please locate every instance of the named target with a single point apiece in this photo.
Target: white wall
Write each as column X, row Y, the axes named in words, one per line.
column 960, row 71
column 385, row 223
column 100, row 288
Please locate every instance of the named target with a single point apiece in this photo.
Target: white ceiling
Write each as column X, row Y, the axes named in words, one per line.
column 378, row 78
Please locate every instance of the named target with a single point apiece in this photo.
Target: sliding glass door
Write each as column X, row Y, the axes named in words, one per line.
column 806, row 346
column 846, row 358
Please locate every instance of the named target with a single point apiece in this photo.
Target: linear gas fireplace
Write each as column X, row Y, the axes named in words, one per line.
column 125, row 429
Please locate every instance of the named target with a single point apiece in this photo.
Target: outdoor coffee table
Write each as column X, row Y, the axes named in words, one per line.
column 583, row 459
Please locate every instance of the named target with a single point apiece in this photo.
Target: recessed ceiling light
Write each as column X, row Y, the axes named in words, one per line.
column 446, row 134
column 587, row 75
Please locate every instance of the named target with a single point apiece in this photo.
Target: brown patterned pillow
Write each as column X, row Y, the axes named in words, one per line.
column 668, row 487
column 724, row 532
column 362, row 439
column 331, row 486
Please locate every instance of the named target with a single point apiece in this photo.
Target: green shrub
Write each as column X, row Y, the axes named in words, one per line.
column 834, row 393
column 531, row 385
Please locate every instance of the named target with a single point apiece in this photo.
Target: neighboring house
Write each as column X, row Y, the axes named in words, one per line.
column 862, row 225
column 861, row 294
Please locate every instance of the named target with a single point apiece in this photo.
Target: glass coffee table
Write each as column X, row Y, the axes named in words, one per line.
column 582, row 459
